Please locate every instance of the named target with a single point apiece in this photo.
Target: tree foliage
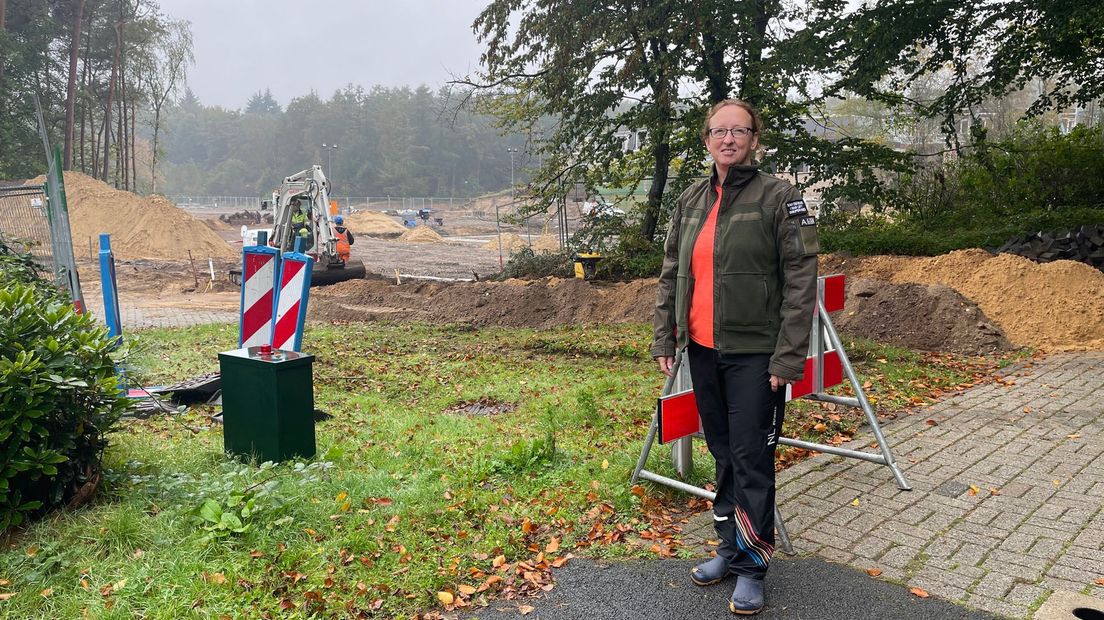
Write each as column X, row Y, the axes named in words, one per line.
column 601, row 69
column 97, row 66
column 986, row 50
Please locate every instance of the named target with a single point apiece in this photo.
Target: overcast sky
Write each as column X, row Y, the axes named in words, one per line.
column 295, row 46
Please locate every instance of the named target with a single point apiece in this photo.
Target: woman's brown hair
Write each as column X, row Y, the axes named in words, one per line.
column 756, row 121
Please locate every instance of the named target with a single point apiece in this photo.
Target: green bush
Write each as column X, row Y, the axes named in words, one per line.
column 59, row 396
column 1038, row 179
column 525, row 263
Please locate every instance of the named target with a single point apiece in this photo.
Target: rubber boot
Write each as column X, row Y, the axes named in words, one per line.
column 716, row 569
column 748, row 598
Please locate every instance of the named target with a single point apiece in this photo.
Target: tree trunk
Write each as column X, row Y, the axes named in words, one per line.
column 715, row 68
column 71, row 88
column 751, row 82
column 153, row 156
column 3, row 26
column 86, row 108
column 111, row 101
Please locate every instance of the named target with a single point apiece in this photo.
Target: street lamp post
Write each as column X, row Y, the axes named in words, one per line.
column 330, row 148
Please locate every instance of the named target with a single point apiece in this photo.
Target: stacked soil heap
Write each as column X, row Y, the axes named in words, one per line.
column 512, row 303
column 421, row 234
column 511, row 242
column 151, row 228
column 889, row 313
column 1056, row 306
column 374, row 224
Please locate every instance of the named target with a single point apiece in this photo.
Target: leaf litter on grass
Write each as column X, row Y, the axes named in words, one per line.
column 413, row 504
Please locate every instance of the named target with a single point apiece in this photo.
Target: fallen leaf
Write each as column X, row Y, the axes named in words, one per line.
column 498, row 561
column 919, row 592
column 605, row 464
column 553, row 545
column 341, row 497
column 973, row 490
column 855, row 502
column 1099, row 582
column 46, row 592
column 873, row 572
column 5, row 582
column 930, row 422
column 820, row 427
column 6, row 595
column 1074, row 436
column 32, row 550
column 446, row 598
column 526, row 610
column 466, row 589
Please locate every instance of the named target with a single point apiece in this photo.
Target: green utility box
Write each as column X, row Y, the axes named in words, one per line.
column 267, row 403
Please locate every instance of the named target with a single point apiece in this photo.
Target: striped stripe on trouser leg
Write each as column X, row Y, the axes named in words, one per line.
column 741, row 418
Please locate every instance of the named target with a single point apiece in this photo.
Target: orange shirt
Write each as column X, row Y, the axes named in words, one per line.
column 700, row 323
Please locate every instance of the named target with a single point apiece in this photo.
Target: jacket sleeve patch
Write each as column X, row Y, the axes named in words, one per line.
column 796, row 207
column 807, row 238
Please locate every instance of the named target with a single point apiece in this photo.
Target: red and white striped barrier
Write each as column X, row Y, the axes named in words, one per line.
column 257, row 295
column 291, row 301
column 677, row 414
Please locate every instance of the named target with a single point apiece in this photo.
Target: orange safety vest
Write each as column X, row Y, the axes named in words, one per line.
column 344, row 249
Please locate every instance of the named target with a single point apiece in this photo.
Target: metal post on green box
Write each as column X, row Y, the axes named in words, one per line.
column 267, row 403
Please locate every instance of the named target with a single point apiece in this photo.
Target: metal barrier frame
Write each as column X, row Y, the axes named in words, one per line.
column 823, row 333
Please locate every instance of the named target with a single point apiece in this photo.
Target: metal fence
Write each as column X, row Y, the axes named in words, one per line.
column 24, row 223
column 346, row 203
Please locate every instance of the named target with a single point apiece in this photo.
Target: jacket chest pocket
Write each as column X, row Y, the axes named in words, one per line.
column 743, row 299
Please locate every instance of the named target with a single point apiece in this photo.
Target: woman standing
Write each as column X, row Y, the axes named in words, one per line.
column 738, row 290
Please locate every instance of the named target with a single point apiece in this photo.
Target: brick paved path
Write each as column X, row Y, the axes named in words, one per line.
column 1032, row 524
column 135, row 317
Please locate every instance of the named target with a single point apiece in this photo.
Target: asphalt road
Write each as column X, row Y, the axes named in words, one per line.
column 797, row 589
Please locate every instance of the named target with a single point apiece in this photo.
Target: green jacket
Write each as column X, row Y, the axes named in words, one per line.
column 765, row 270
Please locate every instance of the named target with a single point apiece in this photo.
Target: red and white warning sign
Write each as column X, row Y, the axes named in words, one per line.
column 291, row 301
column 257, row 295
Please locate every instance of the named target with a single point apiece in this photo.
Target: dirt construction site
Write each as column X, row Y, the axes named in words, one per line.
column 172, row 266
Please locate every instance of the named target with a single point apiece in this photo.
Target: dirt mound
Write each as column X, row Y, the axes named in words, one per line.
column 887, row 313
column 1055, row 306
column 510, row 242
column 421, row 234
column 513, row 303
column 372, row 223
column 546, row 243
column 139, row 227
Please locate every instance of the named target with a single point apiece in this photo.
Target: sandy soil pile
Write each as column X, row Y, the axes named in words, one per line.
column 513, row 303
column 421, row 234
column 139, row 227
column 1057, row 305
column 888, row 313
column 510, row 242
column 1053, row 306
column 372, row 223
column 546, row 243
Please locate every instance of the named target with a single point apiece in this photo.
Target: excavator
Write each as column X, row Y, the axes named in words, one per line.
column 309, row 188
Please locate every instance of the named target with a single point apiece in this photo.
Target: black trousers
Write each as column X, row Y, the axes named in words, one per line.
column 742, row 419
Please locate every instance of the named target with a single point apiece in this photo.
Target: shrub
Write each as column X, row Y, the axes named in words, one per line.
column 525, row 263
column 59, row 396
column 1038, row 179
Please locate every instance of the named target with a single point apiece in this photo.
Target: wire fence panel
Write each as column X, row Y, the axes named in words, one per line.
column 24, row 223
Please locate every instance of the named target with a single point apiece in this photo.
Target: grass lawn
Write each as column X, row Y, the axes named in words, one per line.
column 413, row 505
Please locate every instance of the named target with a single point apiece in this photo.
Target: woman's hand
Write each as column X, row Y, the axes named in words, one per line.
column 778, row 382
column 666, row 362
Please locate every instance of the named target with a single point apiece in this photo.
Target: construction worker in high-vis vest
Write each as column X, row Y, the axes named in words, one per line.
column 344, row 238
column 300, row 223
